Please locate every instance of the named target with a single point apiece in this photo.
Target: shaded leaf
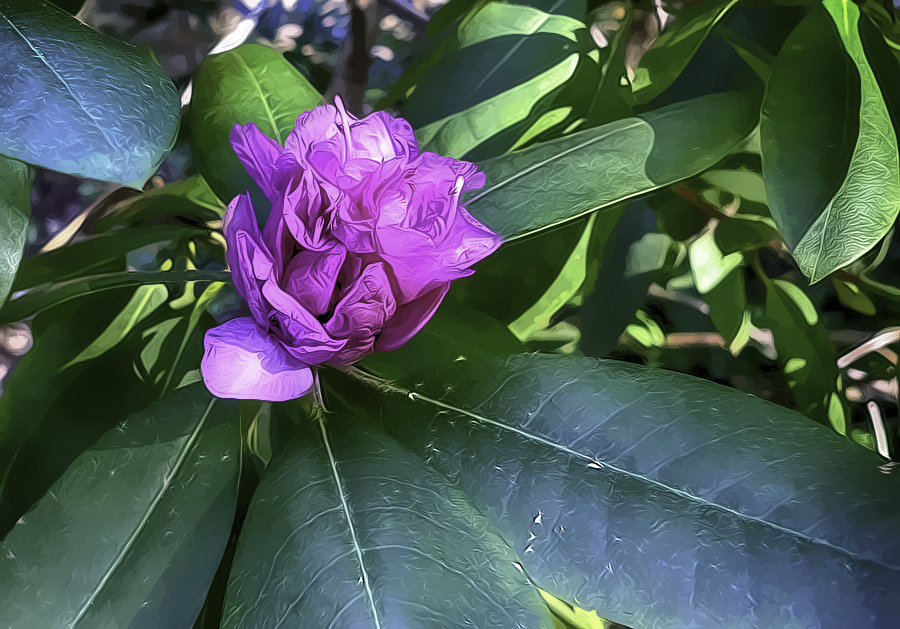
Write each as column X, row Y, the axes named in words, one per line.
column 455, row 332
column 80, row 102
column 829, row 148
column 497, row 75
column 189, row 198
column 349, row 529
column 660, row 499
column 133, row 531
column 15, row 208
column 83, row 257
column 48, row 295
column 250, row 83
column 545, row 184
column 670, row 54
column 143, row 303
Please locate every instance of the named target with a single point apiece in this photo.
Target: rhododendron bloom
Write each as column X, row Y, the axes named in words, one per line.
column 364, row 236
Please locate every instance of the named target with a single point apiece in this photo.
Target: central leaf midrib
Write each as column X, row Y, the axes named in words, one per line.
column 680, row 492
column 262, row 96
column 339, row 487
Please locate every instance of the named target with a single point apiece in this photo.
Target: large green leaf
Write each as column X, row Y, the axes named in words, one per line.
column 828, row 139
column 498, row 75
column 131, row 535
column 77, row 101
column 659, row 499
column 555, row 181
column 349, row 529
column 15, row 208
column 250, row 83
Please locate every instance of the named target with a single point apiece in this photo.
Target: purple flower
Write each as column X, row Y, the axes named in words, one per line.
column 363, row 239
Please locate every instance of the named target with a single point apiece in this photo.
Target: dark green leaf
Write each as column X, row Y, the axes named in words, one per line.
column 351, row 530
column 49, row 295
column 133, row 531
column 15, row 208
column 805, row 353
column 556, row 181
column 81, row 258
column 455, row 332
column 670, row 54
column 190, row 198
column 500, row 73
column 250, row 83
column 829, row 148
column 659, row 499
column 77, row 101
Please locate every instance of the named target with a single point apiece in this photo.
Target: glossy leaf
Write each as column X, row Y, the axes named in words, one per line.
column 498, row 75
column 15, row 208
column 250, row 83
column 80, row 102
column 828, row 140
column 671, row 53
column 661, row 500
column 350, row 530
column 133, row 531
column 556, row 181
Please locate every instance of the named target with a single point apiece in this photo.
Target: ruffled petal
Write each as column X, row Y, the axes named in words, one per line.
column 365, row 306
column 241, row 363
column 299, row 332
column 409, row 319
column 248, row 257
column 259, row 154
column 311, row 277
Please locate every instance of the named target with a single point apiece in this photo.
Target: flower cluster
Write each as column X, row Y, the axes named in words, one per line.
column 364, row 236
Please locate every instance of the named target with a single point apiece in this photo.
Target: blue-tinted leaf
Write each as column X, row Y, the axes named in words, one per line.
column 77, row 101
column 662, row 500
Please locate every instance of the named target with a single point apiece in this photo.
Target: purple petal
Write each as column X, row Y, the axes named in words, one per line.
column 311, row 276
column 409, row 319
column 299, row 332
column 258, row 153
column 365, row 306
column 241, row 363
column 248, row 257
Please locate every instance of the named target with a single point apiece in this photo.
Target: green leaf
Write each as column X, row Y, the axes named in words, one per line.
column 455, row 332
column 729, row 310
column 48, row 295
column 143, row 303
column 671, row 53
column 189, row 198
column 498, row 76
column 349, row 529
column 248, row 84
column 828, row 140
column 81, row 102
column 132, row 533
column 81, row 258
column 806, row 354
column 600, row 472
column 533, row 189
column 15, row 208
